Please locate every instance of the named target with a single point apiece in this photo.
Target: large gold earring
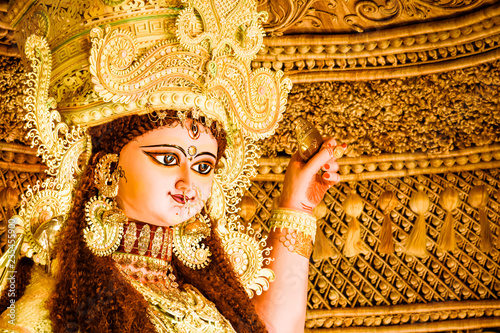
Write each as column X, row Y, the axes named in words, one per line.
column 105, row 181
column 187, row 238
column 105, row 220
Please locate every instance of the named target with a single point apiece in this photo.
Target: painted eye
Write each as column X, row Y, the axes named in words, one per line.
column 165, row 159
column 202, row 168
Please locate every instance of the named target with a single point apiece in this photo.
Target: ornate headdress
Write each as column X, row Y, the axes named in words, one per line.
column 102, row 59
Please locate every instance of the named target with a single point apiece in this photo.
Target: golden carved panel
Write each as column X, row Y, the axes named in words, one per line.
column 385, row 166
column 421, row 48
column 376, row 280
column 335, row 16
column 450, row 317
column 11, row 100
column 431, row 113
column 312, row 40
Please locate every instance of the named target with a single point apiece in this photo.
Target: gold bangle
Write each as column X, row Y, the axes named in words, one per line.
column 296, row 242
column 294, row 220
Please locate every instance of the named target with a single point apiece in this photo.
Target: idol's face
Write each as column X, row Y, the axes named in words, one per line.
column 168, row 174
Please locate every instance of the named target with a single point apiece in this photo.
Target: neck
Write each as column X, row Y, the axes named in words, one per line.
column 145, row 253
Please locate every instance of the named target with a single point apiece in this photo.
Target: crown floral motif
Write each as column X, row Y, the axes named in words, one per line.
column 142, row 57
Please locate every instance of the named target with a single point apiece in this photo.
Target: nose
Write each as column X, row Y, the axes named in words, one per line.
column 184, row 182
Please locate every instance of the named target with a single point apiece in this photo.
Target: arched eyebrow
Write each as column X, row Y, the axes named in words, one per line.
column 206, row 153
column 168, row 146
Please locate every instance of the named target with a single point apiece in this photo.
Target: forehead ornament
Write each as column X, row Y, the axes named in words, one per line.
column 182, row 117
column 194, row 130
column 156, row 116
column 192, row 150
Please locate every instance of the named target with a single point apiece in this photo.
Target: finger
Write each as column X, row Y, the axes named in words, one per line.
column 333, row 160
column 329, row 142
column 331, row 177
column 330, row 166
column 321, row 158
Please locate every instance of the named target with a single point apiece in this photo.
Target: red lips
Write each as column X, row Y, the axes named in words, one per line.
column 179, row 198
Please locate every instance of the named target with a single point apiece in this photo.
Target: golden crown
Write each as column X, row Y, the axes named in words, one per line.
column 103, row 59
column 164, row 54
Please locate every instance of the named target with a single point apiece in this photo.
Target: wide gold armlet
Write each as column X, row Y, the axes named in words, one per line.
column 299, row 233
column 295, row 220
column 297, row 242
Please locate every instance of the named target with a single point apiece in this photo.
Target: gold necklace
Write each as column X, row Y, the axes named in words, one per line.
column 145, row 254
column 144, row 260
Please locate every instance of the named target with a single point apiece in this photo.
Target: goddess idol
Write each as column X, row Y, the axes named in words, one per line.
column 148, row 116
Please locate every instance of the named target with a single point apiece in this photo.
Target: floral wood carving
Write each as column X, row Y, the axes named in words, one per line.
column 431, row 113
column 12, row 88
column 336, row 16
column 290, row 13
column 423, row 48
column 374, row 12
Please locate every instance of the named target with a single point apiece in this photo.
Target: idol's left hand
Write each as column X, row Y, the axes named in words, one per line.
column 304, row 187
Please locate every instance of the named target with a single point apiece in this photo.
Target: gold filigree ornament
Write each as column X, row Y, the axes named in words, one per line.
column 105, row 220
column 65, row 150
column 184, row 56
column 246, row 252
column 104, row 229
column 107, row 182
column 187, row 242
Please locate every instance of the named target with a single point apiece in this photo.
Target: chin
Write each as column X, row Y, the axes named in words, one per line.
column 175, row 221
column 172, row 219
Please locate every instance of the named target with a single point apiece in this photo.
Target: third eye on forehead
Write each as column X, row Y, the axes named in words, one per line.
column 190, row 149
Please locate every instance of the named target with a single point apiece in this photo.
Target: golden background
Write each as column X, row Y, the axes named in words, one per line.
column 412, row 87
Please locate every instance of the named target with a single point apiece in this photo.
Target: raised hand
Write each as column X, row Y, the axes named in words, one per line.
column 304, row 185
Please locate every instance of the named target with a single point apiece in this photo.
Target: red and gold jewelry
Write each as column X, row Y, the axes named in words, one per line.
column 298, row 230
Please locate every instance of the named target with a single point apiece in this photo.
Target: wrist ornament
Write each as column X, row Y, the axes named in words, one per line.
column 299, row 233
column 297, row 242
column 293, row 219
